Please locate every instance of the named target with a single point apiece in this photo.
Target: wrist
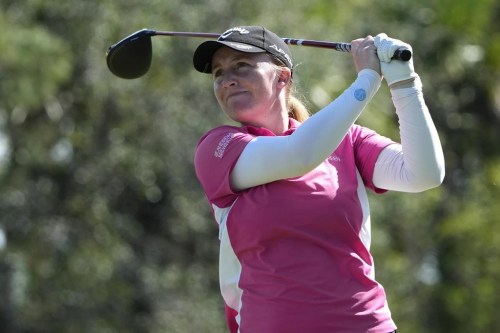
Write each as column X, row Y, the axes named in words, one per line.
column 408, row 83
column 369, row 80
column 370, row 72
column 410, row 88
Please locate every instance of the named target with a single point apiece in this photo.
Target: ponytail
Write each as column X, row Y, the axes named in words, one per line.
column 296, row 109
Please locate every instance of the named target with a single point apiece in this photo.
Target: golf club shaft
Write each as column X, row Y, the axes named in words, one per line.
column 401, row 54
column 291, row 41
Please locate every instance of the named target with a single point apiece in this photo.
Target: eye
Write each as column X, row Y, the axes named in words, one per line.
column 216, row 73
column 242, row 64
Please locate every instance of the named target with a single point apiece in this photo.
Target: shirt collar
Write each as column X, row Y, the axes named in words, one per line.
column 262, row 131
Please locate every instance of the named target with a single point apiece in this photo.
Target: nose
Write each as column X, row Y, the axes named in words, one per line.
column 228, row 80
column 228, row 84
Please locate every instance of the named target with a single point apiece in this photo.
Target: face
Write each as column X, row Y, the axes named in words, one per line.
column 247, row 86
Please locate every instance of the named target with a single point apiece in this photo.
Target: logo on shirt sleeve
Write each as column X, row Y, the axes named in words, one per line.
column 223, row 143
column 334, row 158
column 360, row 94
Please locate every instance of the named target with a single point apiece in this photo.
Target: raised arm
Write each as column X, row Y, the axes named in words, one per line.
column 417, row 164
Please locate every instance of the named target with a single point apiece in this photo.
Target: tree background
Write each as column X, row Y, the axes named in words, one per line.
column 103, row 225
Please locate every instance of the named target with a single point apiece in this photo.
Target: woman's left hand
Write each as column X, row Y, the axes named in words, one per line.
column 364, row 54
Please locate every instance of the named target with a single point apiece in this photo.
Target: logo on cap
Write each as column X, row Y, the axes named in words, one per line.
column 282, row 52
column 226, row 34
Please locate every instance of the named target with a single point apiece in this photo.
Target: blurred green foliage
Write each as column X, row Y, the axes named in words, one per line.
column 103, row 225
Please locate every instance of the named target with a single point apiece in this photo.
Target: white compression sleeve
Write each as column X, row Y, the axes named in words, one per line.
column 418, row 163
column 266, row 159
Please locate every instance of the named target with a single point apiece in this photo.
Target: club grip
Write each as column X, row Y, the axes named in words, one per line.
column 402, row 54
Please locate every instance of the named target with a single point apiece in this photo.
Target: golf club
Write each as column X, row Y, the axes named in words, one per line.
column 131, row 57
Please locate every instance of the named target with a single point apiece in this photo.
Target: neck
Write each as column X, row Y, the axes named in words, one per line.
column 277, row 122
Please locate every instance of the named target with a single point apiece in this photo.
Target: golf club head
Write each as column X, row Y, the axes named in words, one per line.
column 131, row 57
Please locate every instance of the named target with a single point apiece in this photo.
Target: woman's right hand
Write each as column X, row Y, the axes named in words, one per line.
column 397, row 73
column 364, row 54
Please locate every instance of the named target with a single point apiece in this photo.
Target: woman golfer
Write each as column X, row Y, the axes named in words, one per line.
column 288, row 190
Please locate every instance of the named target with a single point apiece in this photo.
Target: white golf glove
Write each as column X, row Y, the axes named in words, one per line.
column 394, row 71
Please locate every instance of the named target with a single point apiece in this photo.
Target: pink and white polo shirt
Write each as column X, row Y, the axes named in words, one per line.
column 294, row 253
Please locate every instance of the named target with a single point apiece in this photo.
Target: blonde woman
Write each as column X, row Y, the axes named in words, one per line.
column 288, row 191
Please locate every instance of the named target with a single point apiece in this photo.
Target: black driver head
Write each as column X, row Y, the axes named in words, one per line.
column 131, row 57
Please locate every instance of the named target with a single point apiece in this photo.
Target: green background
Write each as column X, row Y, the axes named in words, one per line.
column 103, row 225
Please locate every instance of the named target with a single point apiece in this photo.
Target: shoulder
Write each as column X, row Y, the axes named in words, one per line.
column 361, row 136
column 220, row 130
column 217, row 139
column 358, row 131
column 216, row 154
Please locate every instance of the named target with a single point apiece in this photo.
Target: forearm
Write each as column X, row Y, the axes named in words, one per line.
column 267, row 159
column 419, row 164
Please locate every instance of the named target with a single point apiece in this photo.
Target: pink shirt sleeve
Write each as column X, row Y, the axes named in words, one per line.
column 216, row 154
column 367, row 147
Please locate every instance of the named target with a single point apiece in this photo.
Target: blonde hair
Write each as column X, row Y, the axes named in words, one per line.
column 296, row 108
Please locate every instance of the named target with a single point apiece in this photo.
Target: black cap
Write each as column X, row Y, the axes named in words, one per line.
column 249, row 39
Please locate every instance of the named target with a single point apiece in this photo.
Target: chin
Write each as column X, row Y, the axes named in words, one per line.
column 240, row 116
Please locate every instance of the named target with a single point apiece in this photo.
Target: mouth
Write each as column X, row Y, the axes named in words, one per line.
column 235, row 94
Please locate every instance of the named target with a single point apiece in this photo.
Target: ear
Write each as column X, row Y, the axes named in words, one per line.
column 285, row 76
